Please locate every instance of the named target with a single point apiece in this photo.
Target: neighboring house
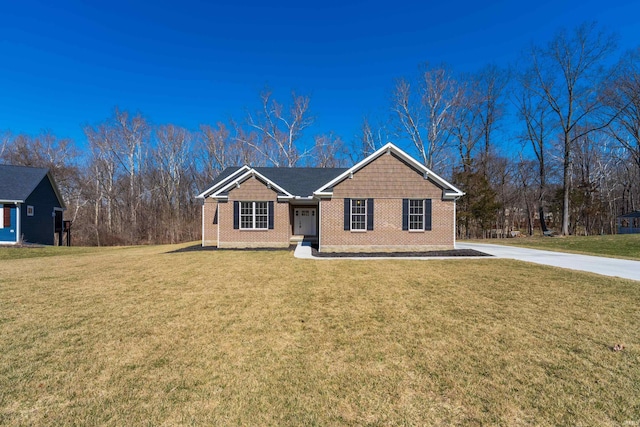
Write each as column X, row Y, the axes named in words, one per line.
column 31, row 206
column 629, row 223
column 386, row 202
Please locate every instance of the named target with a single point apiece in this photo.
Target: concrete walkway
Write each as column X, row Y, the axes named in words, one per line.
column 614, row 267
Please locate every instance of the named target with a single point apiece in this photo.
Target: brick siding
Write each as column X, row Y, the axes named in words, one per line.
column 253, row 190
column 387, row 180
column 210, row 230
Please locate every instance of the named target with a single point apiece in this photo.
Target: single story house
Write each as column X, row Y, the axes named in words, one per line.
column 386, row 202
column 31, row 206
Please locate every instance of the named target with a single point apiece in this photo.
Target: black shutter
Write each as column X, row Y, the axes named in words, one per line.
column 427, row 214
column 347, row 214
column 270, row 215
column 215, row 216
column 236, row 215
column 405, row 214
column 369, row 214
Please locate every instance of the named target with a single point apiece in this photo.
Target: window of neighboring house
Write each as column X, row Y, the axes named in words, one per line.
column 358, row 214
column 5, row 216
column 254, row 215
column 416, row 215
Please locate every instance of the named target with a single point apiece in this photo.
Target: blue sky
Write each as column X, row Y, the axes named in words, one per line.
column 69, row 63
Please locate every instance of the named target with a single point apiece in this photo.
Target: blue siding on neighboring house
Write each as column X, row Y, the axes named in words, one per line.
column 39, row 228
column 8, row 234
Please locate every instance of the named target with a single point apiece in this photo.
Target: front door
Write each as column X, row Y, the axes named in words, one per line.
column 305, row 221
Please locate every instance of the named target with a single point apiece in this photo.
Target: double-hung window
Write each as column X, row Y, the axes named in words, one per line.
column 254, row 215
column 416, row 215
column 358, row 214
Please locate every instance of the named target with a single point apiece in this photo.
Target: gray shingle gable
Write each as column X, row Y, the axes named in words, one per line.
column 300, row 181
column 297, row 181
column 18, row 182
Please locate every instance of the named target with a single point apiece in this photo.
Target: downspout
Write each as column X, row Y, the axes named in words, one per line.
column 219, row 216
column 202, row 212
column 320, row 225
column 454, row 222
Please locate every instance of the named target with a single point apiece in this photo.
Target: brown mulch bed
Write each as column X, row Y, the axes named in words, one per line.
column 434, row 254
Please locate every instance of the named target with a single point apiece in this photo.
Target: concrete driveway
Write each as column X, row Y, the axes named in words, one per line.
column 600, row 265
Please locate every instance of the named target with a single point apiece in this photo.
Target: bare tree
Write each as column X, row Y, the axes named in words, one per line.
column 172, row 163
column 218, row 150
column 329, row 152
column 536, row 113
column 425, row 113
column 370, row 139
column 5, row 139
column 624, row 96
column 467, row 128
column 103, row 167
column 490, row 83
column 132, row 133
column 568, row 75
column 278, row 130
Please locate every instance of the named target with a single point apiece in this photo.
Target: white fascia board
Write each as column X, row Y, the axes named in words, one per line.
column 11, row 201
column 389, row 147
column 250, row 173
column 322, row 194
column 210, row 190
column 455, row 195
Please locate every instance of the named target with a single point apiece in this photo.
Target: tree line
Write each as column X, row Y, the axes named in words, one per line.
column 550, row 143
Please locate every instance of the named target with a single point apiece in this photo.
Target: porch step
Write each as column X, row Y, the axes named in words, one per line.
column 299, row 238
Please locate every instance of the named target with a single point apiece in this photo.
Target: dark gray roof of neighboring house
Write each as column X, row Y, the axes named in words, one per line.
column 18, row 182
column 297, row 181
column 635, row 214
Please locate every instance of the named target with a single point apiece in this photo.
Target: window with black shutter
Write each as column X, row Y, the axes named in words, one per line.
column 416, row 214
column 253, row 215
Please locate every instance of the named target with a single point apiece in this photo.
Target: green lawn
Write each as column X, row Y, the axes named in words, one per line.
column 615, row 246
column 144, row 336
column 8, row 252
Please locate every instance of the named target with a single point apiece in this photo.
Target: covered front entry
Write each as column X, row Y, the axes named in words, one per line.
column 304, row 221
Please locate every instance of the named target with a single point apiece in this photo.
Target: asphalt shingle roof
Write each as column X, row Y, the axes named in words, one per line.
column 297, row 181
column 18, row 182
column 635, row 214
column 300, row 181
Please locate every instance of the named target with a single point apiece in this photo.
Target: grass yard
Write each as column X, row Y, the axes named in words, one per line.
column 143, row 336
column 614, row 246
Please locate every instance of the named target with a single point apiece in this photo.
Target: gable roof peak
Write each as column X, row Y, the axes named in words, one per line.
column 450, row 191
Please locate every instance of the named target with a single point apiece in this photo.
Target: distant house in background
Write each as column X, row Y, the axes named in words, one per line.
column 30, row 205
column 629, row 223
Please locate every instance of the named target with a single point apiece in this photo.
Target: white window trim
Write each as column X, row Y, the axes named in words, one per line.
column 1, row 215
column 358, row 230
column 410, row 214
column 253, row 215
